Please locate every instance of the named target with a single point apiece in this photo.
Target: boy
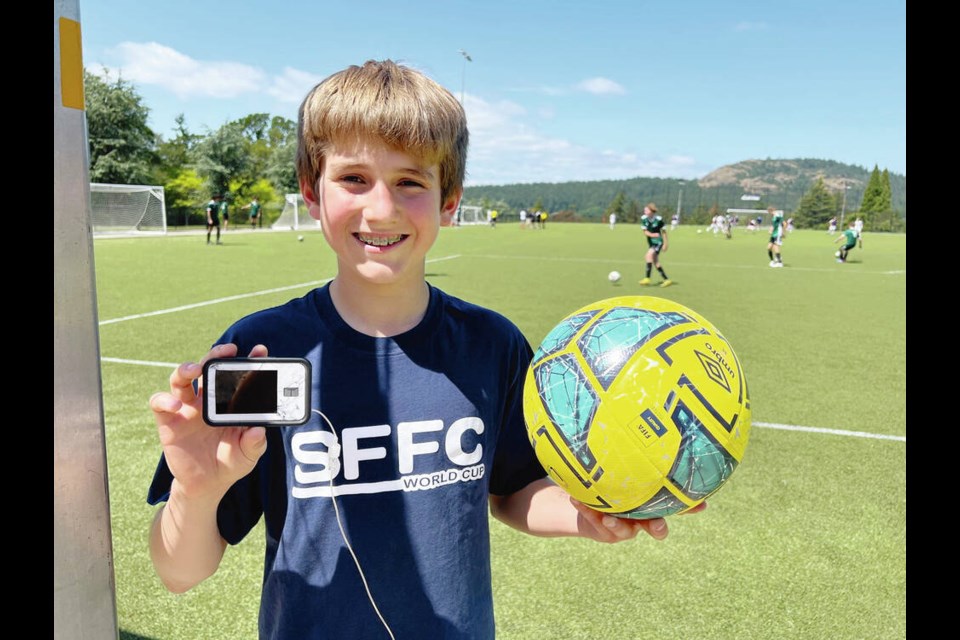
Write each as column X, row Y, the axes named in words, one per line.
column 656, row 242
column 849, row 237
column 364, row 538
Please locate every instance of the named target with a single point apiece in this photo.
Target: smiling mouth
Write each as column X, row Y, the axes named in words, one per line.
column 379, row 241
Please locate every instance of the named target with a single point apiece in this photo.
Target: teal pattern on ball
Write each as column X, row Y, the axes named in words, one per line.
column 570, row 402
column 560, row 336
column 610, row 342
column 702, row 464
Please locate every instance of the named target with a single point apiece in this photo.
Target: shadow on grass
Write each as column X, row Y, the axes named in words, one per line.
column 126, row 635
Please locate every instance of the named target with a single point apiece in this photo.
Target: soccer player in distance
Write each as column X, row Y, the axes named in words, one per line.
column 778, row 230
column 656, row 234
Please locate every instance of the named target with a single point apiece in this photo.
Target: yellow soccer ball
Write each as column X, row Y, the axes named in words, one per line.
column 637, row 406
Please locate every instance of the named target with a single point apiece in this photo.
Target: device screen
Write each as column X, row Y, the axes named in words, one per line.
column 246, row 391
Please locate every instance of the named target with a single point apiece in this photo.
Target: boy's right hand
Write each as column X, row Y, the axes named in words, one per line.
column 205, row 461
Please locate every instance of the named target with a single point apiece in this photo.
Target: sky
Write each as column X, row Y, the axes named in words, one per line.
column 554, row 90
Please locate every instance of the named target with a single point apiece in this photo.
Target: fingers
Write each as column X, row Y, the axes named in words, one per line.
column 697, row 509
column 228, row 350
column 259, row 351
column 604, row 527
column 253, row 442
column 181, row 382
column 161, row 402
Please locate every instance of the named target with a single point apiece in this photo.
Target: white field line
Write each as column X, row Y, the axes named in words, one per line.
column 832, row 432
column 241, row 296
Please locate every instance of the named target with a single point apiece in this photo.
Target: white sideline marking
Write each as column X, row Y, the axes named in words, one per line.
column 214, row 301
column 145, row 363
column 236, row 297
column 770, row 425
column 833, row 432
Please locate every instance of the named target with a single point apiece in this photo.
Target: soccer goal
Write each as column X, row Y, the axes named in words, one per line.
column 471, row 215
column 127, row 208
column 295, row 215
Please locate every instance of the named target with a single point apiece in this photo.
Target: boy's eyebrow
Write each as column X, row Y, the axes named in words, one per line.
column 427, row 174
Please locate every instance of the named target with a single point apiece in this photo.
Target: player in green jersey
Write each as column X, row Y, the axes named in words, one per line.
column 777, row 231
column 653, row 229
column 849, row 237
column 254, row 208
column 213, row 217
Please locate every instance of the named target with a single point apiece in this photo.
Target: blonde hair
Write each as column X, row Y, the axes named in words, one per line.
column 771, row 209
column 389, row 102
column 652, row 207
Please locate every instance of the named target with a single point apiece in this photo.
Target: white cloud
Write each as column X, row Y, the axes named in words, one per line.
column 601, row 86
column 505, row 149
column 292, row 85
column 152, row 63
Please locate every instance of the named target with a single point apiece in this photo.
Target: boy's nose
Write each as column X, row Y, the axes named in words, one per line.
column 380, row 203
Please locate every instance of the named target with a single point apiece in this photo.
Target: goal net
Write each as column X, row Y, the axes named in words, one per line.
column 295, row 215
column 127, row 208
column 471, row 215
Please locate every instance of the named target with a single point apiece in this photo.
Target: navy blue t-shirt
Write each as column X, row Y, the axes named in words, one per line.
column 427, row 424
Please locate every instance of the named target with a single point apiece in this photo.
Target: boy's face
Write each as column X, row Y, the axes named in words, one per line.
column 380, row 211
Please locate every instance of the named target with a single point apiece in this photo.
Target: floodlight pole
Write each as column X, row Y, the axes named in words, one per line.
column 463, row 76
column 843, row 207
column 679, row 199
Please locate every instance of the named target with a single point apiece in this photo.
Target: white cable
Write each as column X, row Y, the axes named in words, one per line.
column 343, row 534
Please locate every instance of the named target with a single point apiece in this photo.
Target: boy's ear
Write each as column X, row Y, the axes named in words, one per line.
column 310, row 199
column 449, row 208
column 306, row 190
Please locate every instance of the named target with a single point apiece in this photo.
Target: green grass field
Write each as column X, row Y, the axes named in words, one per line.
column 807, row 540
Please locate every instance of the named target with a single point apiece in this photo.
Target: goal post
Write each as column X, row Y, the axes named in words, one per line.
column 127, row 208
column 471, row 215
column 295, row 215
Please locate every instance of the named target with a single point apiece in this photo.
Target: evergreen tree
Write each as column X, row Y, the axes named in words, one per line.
column 632, row 211
column 817, row 206
column 617, row 205
column 873, row 199
column 886, row 195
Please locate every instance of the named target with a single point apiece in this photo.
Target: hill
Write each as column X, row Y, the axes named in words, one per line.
column 778, row 182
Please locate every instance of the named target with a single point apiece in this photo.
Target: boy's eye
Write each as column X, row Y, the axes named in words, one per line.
column 411, row 183
column 352, row 178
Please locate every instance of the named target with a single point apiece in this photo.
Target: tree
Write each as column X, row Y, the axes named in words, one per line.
column 877, row 203
column 185, row 198
column 632, row 211
column 281, row 168
column 222, row 156
column 122, row 146
column 618, row 205
column 174, row 155
column 817, row 206
column 873, row 193
column 885, row 192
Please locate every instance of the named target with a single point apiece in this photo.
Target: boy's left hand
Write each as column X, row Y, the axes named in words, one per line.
column 604, row 527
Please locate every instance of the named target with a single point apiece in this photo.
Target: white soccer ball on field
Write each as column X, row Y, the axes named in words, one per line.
column 299, row 238
column 613, row 276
